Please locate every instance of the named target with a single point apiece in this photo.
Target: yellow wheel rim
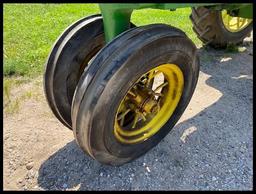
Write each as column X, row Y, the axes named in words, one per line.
column 149, row 104
column 234, row 24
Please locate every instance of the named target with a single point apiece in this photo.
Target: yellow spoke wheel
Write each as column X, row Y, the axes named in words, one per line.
column 149, row 104
column 234, row 24
column 134, row 92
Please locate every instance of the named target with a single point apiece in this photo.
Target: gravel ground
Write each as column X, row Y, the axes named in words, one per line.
column 210, row 148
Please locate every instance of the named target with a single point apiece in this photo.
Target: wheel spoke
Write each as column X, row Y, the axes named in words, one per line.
column 135, row 120
column 123, row 114
column 132, row 94
column 243, row 21
column 143, row 116
column 229, row 21
column 151, row 75
column 157, row 94
column 122, row 121
column 161, row 86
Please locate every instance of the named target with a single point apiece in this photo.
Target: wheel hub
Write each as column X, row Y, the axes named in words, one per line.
column 144, row 100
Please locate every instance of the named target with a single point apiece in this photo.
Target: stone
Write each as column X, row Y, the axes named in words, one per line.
column 30, row 165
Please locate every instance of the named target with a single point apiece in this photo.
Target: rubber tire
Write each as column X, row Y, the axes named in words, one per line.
column 111, row 74
column 209, row 27
column 66, row 61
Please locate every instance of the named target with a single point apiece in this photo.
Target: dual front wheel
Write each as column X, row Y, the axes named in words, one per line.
column 121, row 98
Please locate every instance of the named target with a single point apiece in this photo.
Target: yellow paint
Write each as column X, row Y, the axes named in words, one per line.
column 234, row 24
column 174, row 77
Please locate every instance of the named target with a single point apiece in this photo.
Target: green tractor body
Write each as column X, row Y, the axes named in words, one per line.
column 116, row 17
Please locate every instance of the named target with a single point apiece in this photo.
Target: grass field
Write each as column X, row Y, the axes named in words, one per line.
column 31, row 29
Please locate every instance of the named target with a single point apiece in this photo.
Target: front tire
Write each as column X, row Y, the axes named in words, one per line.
column 114, row 72
column 70, row 54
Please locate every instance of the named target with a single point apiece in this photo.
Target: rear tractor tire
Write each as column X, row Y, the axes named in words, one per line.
column 218, row 29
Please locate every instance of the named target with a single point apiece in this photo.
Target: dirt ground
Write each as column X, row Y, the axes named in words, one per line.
column 210, row 148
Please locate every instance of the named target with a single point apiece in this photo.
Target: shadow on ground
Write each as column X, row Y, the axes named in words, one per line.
column 217, row 155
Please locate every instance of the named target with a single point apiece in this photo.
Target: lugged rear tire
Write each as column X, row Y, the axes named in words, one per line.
column 210, row 29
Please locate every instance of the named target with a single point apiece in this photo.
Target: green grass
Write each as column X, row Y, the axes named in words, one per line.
column 31, row 29
column 178, row 18
column 10, row 83
column 14, row 96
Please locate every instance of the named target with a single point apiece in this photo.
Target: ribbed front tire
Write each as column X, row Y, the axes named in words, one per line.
column 111, row 75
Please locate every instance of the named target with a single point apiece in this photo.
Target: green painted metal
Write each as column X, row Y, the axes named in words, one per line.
column 115, row 21
column 116, row 17
column 246, row 12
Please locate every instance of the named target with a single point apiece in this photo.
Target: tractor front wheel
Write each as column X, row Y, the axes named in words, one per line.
column 134, row 92
column 70, row 55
